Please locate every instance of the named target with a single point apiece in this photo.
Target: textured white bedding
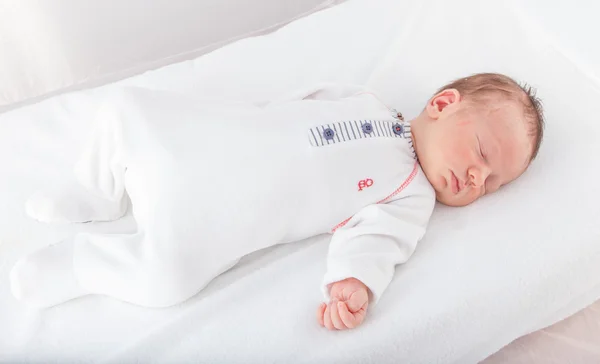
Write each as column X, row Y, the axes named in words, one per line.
column 484, row 275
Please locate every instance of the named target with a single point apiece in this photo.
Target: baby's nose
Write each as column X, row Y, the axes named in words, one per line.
column 478, row 176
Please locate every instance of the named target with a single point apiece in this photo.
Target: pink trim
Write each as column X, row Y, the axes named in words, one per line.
column 404, row 184
column 341, row 224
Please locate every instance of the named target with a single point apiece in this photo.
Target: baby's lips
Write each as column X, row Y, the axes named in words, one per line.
column 454, row 184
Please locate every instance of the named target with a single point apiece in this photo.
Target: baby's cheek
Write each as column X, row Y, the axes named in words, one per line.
column 470, row 197
column 493, row 187
column 463, row 123
column 459, row 154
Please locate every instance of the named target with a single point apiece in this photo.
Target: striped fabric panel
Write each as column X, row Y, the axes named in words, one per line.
column 343, row 131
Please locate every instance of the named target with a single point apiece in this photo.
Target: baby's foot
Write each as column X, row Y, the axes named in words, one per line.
column 46, row 278
column 74, row 203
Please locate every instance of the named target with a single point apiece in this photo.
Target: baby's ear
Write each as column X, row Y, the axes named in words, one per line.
column 442, row 100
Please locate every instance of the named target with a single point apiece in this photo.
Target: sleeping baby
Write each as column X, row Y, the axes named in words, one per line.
column 210, row 182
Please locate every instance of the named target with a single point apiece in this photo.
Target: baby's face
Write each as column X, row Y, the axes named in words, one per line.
column 467, row 152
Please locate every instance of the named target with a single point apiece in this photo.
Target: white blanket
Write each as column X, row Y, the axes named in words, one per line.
column 484, row 275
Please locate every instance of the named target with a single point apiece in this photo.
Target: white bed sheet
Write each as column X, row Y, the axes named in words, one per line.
column 463, row 295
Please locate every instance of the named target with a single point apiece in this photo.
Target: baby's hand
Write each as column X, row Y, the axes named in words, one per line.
column 347, row 307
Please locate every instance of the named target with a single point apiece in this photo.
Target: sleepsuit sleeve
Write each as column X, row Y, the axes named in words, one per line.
column 375, row 240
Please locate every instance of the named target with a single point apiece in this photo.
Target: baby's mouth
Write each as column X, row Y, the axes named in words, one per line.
column 455, row 184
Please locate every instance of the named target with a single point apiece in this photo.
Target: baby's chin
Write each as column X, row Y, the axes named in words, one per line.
column 448, row 199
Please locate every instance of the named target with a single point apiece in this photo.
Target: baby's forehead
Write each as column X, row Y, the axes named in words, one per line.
column 499, row 93
column 505, row 114
column 506, row 130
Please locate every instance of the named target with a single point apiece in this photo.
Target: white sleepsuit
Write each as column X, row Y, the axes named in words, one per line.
column 210, row 182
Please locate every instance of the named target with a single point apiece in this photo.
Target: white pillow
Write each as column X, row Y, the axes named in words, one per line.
column 49, row 47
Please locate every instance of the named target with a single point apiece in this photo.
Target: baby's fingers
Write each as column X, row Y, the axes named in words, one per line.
column 320, row 313
column 351, row 320
column 327, row 318
column 335, row 316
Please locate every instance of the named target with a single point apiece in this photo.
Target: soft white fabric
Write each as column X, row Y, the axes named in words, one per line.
column 381, row 236
column 213, row 182
column 482, row 275
column 46, row 278
column 72, row 202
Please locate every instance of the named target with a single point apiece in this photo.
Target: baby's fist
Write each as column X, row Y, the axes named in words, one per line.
column 347, row 306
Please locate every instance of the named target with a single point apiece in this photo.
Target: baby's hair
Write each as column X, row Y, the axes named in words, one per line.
column 479, row 87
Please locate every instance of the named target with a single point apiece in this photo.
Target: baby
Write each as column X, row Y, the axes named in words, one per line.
column 210, row 182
